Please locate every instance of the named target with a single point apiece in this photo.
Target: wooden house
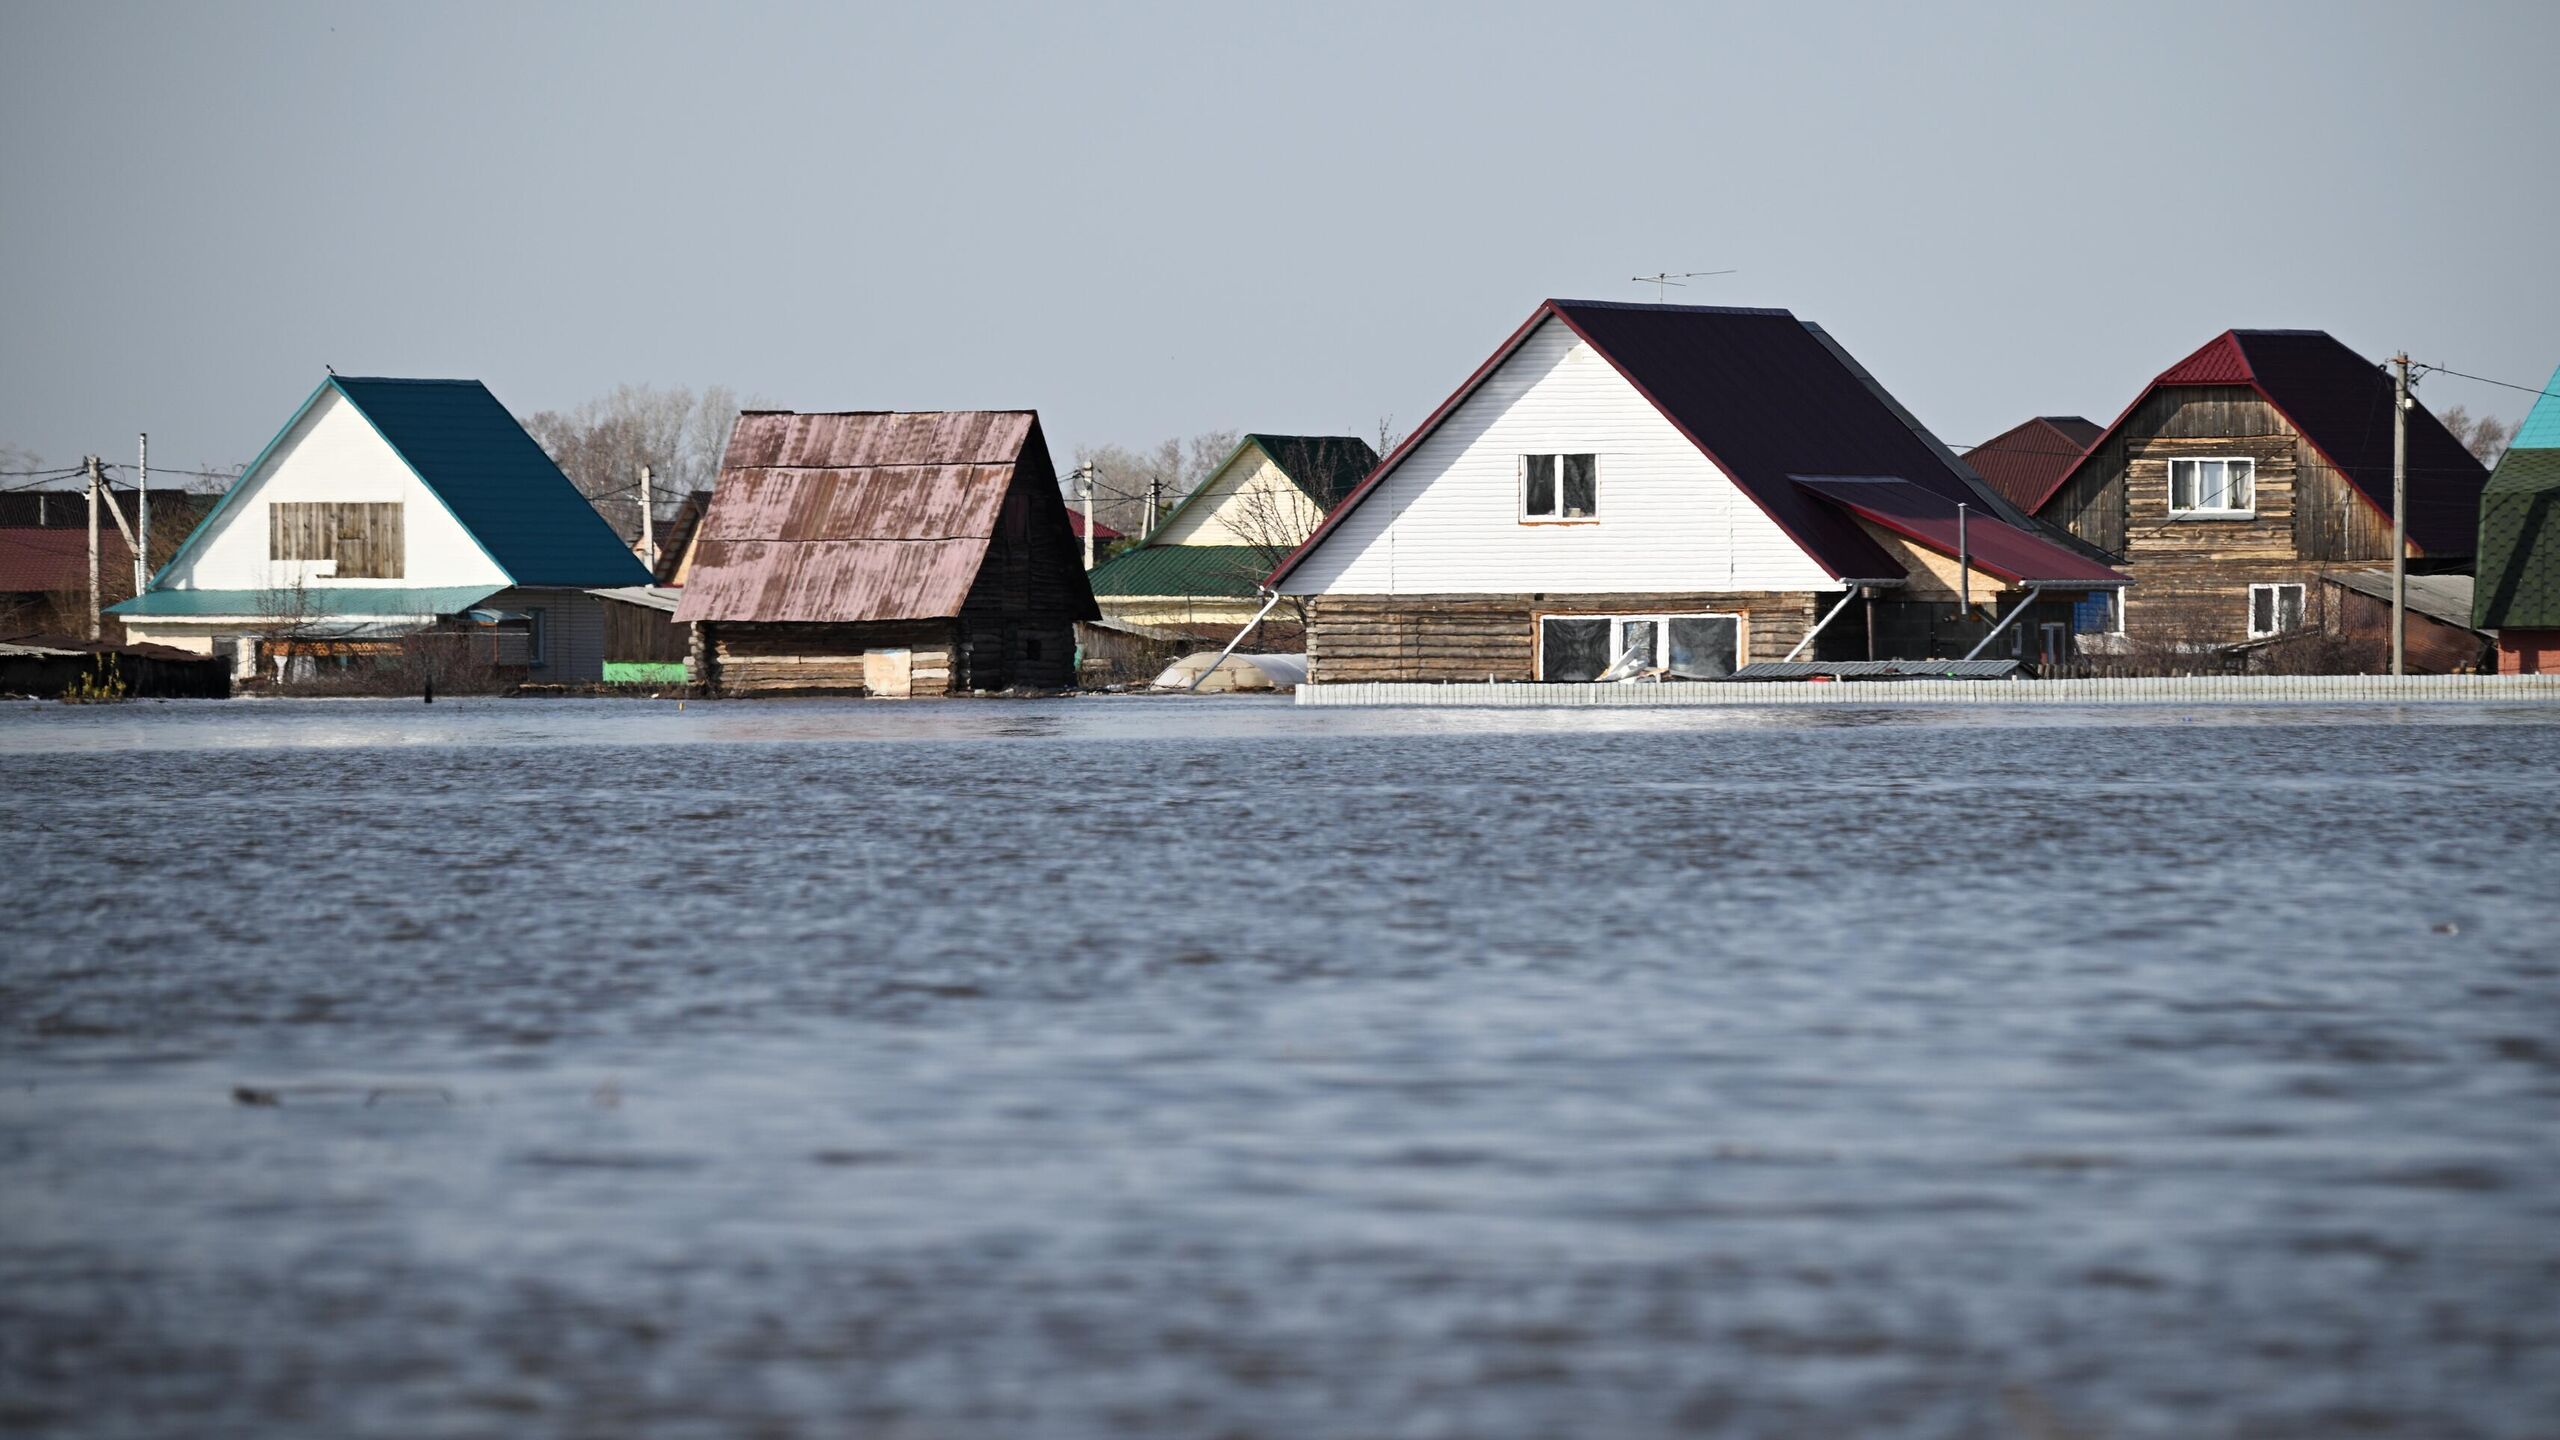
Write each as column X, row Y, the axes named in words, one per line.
column 2246, row 469
column 885, row 554
column 383, row 508
column 1202, row 566
column 2518, row 589
column 1686, row 488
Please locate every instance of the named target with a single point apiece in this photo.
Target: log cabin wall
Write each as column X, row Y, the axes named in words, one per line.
column 2192, row 575
column 1018, row 624
column 1471, row 638
column 736, row 657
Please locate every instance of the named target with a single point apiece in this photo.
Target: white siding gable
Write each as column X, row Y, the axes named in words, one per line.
column 1247, row 502
column 1447, row 520
column 331, row 453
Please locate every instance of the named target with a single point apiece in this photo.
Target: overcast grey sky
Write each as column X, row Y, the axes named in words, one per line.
column 1147, row 219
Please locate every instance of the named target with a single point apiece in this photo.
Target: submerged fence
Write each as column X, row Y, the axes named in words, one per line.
column 2156, row 690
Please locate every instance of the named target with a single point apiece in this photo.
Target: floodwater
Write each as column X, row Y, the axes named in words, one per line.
column 1161, row 1068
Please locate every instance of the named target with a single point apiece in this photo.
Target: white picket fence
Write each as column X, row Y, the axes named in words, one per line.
column 2179, row 690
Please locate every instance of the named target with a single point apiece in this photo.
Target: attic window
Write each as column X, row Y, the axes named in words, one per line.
column 2226, row 488
column 1559, row 487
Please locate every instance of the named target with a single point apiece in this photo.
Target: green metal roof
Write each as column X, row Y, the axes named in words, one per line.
column 314, row 601
column 2518, row 584
column 1224, row 571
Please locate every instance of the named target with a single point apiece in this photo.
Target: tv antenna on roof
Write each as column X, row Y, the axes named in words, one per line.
column 1663, row 282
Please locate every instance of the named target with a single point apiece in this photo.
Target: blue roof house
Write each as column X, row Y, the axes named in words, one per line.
column 384, row 507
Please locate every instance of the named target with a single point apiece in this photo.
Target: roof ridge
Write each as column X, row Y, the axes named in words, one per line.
column 1691, row 309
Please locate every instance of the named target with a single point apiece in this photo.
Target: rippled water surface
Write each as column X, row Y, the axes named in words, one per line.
column 1137, row 1068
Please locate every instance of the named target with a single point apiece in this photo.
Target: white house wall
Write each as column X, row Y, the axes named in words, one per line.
column 1227, row 511
column 332, row 453
column 1447, row 520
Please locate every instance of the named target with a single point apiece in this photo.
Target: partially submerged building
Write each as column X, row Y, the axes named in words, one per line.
column 887, row 554
column 1202, row 566
column 383, row 508
column 1677, row 490
column 2518, row 589
column 2245, row 470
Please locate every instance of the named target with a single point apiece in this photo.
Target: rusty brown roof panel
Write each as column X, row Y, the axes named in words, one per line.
column 853, row 517
column 831, row 581
column 863, row 438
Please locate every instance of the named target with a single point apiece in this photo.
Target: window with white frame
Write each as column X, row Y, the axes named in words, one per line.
column 2274, row 609
column 1684, row 647
column 2213, row 487
column 2101, row 612
column 1559, row 487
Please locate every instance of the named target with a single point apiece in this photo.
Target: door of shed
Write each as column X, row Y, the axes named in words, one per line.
column 886, row 673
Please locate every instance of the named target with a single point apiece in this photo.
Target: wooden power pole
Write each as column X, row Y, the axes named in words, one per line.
column 648, row 523
column 2400, row 514
column 97, row 625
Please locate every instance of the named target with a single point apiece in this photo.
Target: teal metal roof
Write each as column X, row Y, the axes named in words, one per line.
column 1222, row 571
column 2541, row 427
column 331, row 601
column 463, row 445
column 496, row 480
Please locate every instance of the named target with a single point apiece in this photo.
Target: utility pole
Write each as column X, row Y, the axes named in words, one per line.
column 96, row 624
column 1086, row 472
column 2400, row 514
column 142, row 522
column 1964, row 563
column 1155, row 500
column 648, row 524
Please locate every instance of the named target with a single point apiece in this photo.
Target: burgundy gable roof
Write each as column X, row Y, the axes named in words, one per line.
column 2025, row 461
column 2341, row 404
column 1759, row 394
column 1927, row 518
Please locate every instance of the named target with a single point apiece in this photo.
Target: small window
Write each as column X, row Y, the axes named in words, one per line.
column 2213, row 487
column 1559, row 487
column 2274, row 609
column 2100, row 613
column 534, row 653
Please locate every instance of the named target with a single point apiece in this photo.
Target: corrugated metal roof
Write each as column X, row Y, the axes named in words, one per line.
column 496, row 480
column 2341, row 404
column 858, row 516
column 1758, row 392
column 2439, row 597
column 401, row 601
column 35, row 560
column 1930, row 519
column 2025, row 461
column 1222, row 571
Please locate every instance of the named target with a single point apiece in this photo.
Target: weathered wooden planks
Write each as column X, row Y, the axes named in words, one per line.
column 367, row 539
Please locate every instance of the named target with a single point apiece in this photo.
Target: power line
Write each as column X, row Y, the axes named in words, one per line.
column 2485, row 380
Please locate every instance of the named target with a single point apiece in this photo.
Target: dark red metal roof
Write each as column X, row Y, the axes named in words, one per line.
column 1075, row 526
column 2340, row 402
column 1928, row 518
column 36, row 560
column 2024, row 461
column 1759, row 394
column 858, row 516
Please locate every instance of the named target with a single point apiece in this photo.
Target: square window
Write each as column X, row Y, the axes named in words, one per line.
column 2274, row 610
column 1559, row 487
column 2225, row 487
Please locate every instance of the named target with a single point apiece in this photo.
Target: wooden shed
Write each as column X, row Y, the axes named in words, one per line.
column 885, row 553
